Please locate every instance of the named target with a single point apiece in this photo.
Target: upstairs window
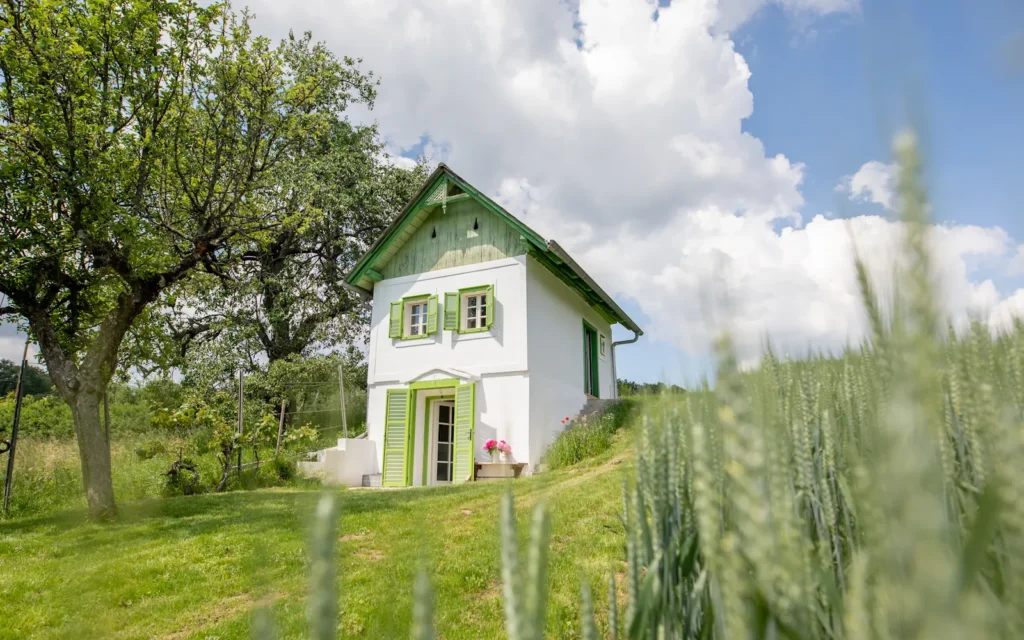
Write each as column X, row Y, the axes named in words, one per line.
column 475, row 306
column 469, row 310
column 414, row 317
column 416, row 312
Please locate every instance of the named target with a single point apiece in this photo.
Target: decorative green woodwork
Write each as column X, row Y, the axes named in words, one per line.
column 434, row 384
column 396, row 438
column 591, row 377
column 465, row 426
column 447, row 239
column 451, row 311
column 431, row 315
column 395, row 324
column 374, row 275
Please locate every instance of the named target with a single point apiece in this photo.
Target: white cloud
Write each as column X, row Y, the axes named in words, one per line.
column 622, row 137
column 734, row 13
column 874, row 182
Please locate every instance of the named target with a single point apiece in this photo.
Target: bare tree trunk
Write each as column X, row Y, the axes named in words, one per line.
column 93, row 451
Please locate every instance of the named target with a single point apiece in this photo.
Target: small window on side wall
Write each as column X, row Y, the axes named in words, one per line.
column 602, row 345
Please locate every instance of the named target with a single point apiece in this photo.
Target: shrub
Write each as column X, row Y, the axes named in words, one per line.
column 150, row 450
column 590, row 435
column 280, row 468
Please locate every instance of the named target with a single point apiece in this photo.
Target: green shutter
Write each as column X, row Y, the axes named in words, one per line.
column 396, row 430
column 465, row 421
column 490, row 306
column 451, row 312
column 395, row 331
column 432, row 315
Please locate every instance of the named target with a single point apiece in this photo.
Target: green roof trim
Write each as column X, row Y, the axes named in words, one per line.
column 547, row 253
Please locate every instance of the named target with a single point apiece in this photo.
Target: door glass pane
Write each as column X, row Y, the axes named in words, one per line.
column 444, row 452
column 444, row 433
column 443, row 472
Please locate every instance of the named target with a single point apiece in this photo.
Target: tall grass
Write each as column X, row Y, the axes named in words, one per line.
column 590, row 435
column 875, row 495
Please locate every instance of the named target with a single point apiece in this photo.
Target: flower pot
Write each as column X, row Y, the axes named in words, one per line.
column 503, row 457
column 494, row 455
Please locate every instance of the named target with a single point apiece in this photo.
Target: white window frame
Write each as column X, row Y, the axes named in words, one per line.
column 480, row 307
column 407, row 318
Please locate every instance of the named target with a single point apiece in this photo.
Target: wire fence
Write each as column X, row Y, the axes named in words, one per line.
column 330, row 408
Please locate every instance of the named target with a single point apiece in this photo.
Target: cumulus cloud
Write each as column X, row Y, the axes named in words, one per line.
column 874, row 182
column 622, row 137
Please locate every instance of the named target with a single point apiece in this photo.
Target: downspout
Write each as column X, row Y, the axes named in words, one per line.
column 615, row 374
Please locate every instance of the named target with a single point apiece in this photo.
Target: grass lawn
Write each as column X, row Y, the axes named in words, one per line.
column 196, row 567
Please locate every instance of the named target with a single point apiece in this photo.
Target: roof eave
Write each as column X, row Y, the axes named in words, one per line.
column 621, row 315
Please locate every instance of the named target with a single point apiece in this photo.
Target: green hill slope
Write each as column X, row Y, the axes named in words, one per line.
column 196, row 567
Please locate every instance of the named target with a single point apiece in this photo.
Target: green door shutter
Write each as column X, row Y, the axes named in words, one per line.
column 395, row 330
column 490, row 306
column 396, row 431
column 451, row 312
column 465, row 421
column 431, row 315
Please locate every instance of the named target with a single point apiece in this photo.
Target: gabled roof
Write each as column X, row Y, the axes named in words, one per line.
column 547, row 252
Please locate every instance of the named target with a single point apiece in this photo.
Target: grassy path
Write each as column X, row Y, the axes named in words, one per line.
column 196, row 567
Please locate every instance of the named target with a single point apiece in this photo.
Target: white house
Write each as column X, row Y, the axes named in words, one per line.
column 480, row 329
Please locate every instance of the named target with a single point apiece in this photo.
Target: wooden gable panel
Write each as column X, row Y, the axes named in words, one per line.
column 447, row 239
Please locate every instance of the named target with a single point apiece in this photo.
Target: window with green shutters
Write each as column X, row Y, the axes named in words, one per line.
column 413, row 317
column 396, row 439
column 469, row 310
column 465, row 423
column 451, row 312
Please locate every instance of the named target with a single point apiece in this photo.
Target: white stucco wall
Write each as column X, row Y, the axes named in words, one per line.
column 555, row 315
column 494, row 359
column 502, row 349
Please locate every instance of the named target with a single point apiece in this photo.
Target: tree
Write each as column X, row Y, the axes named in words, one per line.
column 36, row 381
column 138, row 141
column 286, row 296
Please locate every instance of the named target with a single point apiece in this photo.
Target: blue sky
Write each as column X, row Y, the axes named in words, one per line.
column 831, row 92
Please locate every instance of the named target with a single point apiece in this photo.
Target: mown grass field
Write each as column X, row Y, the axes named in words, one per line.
column 195, row 567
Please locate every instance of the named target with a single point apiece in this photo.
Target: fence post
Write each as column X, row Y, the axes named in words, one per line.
column 280, row 428
column 241, row 415
column 9, row 479
column 341, row 396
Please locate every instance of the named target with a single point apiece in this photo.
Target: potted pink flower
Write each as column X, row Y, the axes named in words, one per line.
column 491, row 447
column 505, row 450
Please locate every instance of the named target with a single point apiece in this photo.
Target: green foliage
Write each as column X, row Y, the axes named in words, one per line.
column 280, row 468
column 590, row 435
column 150, row 450
column 142, row 143
column 37, row 381
column 630, row 388
column 45, row 416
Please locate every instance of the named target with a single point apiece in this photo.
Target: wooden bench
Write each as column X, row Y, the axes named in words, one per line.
column 497, row 470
